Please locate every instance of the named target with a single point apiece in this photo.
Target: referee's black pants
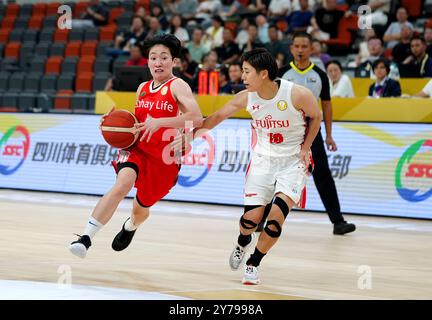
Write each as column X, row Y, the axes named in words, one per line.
column 324, row 180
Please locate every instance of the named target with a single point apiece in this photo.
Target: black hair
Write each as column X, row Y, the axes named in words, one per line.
column 334, row 62
column 302, row 34
column 418, row 38
column 383, row 61
column 168, row 40
column 260, row 59
column 218, row 19
column 235, row 63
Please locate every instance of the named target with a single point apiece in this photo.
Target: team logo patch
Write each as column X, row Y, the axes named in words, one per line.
column 282, row 105
column 143, row 94
column 164, row 90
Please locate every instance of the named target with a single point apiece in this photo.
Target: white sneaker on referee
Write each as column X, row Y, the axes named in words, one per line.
column 239, row 252
column 251, row 275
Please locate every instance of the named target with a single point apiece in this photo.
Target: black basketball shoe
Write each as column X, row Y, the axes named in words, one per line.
column 80, row 247
column 343, row 227
column 122, row 239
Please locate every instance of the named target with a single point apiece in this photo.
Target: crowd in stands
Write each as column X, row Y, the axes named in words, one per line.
column 214, row 34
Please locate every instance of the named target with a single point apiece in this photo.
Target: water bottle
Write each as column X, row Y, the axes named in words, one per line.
column 394, row 72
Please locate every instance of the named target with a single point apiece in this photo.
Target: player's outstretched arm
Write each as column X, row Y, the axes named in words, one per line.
column 237, row 103
column 304, row 100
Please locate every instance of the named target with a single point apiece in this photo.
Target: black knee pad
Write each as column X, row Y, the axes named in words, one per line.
column 282, row 205
column 272, row 233
column 245, row 223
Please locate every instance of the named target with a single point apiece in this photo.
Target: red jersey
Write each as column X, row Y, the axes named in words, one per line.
column 156, row 102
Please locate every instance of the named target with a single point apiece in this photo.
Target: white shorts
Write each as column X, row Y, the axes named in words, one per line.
column 268, row 176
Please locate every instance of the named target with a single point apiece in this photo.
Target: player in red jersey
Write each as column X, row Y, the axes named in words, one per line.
column 146, row 164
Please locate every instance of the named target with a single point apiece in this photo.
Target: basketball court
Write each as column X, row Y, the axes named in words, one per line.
column 182, row 252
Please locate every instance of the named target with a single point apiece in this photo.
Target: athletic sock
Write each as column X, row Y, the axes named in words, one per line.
column 92, row 227
column 244, row 240
column 129, row 225
column 255, row 258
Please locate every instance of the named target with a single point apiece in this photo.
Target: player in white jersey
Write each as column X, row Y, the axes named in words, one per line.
column 280, row 158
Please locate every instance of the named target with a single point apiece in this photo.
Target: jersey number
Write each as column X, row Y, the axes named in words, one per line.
column 275, row 138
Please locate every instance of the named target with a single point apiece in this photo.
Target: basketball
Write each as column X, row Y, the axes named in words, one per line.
column 117, row 129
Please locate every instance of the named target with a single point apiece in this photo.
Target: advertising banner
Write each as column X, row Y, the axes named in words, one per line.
column 379, row 168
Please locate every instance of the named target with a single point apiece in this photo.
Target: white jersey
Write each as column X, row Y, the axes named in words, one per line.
column 278, row 127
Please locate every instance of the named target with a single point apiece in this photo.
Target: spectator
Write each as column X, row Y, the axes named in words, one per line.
column 383, row 86
column 276, row 47
column 214, row 34
column 253, row 40
column 340, row 84
column 325, row 22
column 242, row 35
column 141, row 12
column 157, row 11
column 262, row 24
column 363, row 53
column 419, row 58
column 135, row 36
column 300, row 20
column 206, row 9
column 97, row 14
column 402, row 50
column 317, row 57
column 426, row 92
column 209, row 63
column 376, row 51
column 177, row 29
column 235, row 77
column 428, row 39
column 195, row 47
column 278, row 9
column 154, row 28
column 185, row 8
column 185, row 66
column 136, row 57
column 393, row 33
column 224, row 86
column 229, row 51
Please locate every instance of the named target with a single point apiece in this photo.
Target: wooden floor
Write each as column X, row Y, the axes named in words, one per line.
column 183, row 249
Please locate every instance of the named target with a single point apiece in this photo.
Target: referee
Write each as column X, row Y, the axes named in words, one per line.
column 303, row 72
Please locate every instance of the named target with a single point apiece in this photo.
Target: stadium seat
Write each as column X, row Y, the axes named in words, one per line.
column 46, row 34
column 52, row 8
column 53, row 65
column 114, row 14
column 27, row 101
column 32, row 82
column 102, row 46
column 48, row 83
column 129, row 5
column 42, row 48
column 69, row 64
column 35, row 22
column 62, row 100
column 38, row 64
column 4, row 35
column 76, row 35
column 22, row 22
column 12, row 50
column 414, row 7
column 107, row 33
column 39, row 9
column 26, row 54
column 57, row 49
column 45, row 101
column 91, row 34
column 8, row 22
column 102, row 64
column 16, row 35
column 4, row 80
column 16, row 82
column 79, row 102
column 84, row 82
column 61, row 35
column 66, row 81
column 50, row 22
column 9, row 64
column 143, row 3
column 88, row 48
column 30, row 35
column 79, row 9
column 99, row 81
column 85, row 64
column 10, row 100
column 73, row 49
column 12, row 9
column 345, row 34
column 26, row 10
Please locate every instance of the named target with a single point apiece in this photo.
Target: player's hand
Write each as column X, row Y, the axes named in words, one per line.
column 149, row 126
column 182, row 143
column 305, row 155
column 331, row 144
column 104, row 116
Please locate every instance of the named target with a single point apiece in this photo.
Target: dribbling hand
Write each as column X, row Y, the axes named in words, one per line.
column 149, row 126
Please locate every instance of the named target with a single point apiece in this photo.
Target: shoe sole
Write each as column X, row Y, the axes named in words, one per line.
column 251, row 282
column 78, row 250
column 246, row 250
column 342, row 233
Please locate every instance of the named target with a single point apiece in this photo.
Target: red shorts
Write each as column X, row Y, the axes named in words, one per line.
column 154, row 178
